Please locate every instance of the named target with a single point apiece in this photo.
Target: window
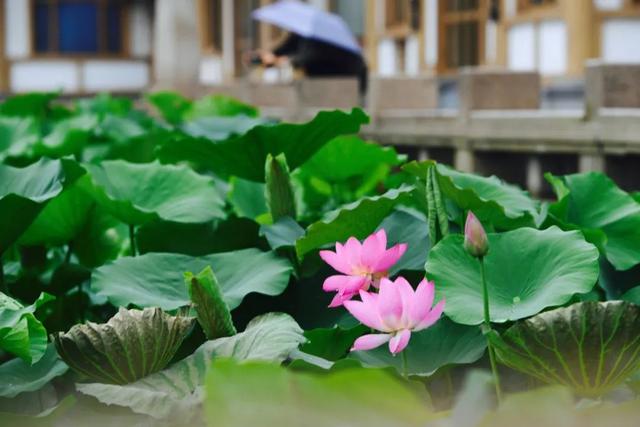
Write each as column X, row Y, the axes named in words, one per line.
column 524, row 5
column 212, row 25
column 462, row 24
column 78, row 26
column 402, row 14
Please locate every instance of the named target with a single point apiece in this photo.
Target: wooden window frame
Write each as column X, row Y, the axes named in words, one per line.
column 206, row 30
column 102, row 35
column 445, row 17
column 629, row 9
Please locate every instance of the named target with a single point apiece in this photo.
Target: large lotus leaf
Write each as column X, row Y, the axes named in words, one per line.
column 247, row 198
column 527, row 270
column 220, row 128
column 349, row 156
column 245, row 155
column 105, row 103
column 266, row 394
column 101, row 239
column 357, row 219
column 445, row 343
column 493, row 201
column 331, row 344
column 212, row 312
column 62, row 219
column 156, row 279
column 28, row 104
column 20, row 332
column 198, row 239
column 23, row 193
column 130, row 346
column 17, row 376
column 171, row 105
column 633, row 295
column 592, row 202
column 408, row 226
column 67, row 137
column 176, row 392
column 281, row 233
column 219, row 105
column 590, row 347
column 18, row 135
column 139, row 193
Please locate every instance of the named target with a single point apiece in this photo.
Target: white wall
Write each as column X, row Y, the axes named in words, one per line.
column 140, row 30
column 211, row 70
column 521, row 47
column 608, row 4
column 120, row 75
column 387, row 65
column 542, row 47
column 552, row 51
column 16, row 27
column 431, row 32
column 412, row 56
column 45, row 75
column 620, row 39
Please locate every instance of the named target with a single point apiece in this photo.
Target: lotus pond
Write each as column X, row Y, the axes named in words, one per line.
column 187, row 263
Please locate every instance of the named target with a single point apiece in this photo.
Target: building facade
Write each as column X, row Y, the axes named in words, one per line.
column 87, row 46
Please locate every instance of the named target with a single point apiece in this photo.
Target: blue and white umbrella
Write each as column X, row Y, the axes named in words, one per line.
column 310, row 22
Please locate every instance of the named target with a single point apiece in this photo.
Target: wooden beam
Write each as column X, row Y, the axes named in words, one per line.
column 371, row 35
column 579, row 19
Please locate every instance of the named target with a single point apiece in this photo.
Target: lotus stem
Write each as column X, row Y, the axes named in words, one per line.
column 405, row 365
column 3, row 286
column 487, row 322
column 132, row 239
column 67, row 256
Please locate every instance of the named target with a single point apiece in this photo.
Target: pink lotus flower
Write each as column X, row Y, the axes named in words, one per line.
column 361, row 265
column 396, row 311
column 475, row 238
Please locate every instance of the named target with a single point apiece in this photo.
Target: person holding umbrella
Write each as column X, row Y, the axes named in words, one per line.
column 319, row 43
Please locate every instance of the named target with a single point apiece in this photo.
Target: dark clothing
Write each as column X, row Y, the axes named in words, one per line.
column 317, row 58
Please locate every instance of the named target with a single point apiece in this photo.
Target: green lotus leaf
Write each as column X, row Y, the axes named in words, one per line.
column 212, row 312
column 140, row 193
column 590, row 347
column 17, row 376
column 527, row 270
column 266, row 394
column 20, row 332
column 28, row 104
column 23, row 193
column 492, row 200
column 357, row 219
column 219, row 105
column 176, row 392
column 282, row 233
column 146, row 280
column 220, row 128
column 62, row 219
column 171, row 105
column 18, row 135
column 278, row 189
column 198, row 239
column 608, row 216
column 244, row 156
column 130, row 346
column 408, row 226
column 443, row 344
column 331, row 344
column 342, row 171
column 67, row 137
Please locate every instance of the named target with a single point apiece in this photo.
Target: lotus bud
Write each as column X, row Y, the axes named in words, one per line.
column 475, row 238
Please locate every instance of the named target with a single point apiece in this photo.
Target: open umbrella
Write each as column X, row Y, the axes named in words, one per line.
column 310, row 22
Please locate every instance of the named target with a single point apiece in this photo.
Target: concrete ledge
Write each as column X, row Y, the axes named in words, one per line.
column 481, row 89
column 403, row 93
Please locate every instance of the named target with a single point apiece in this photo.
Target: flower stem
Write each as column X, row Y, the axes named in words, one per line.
column 405, row 365
column 487, row 322
column 3, row 286
column 132, row 239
